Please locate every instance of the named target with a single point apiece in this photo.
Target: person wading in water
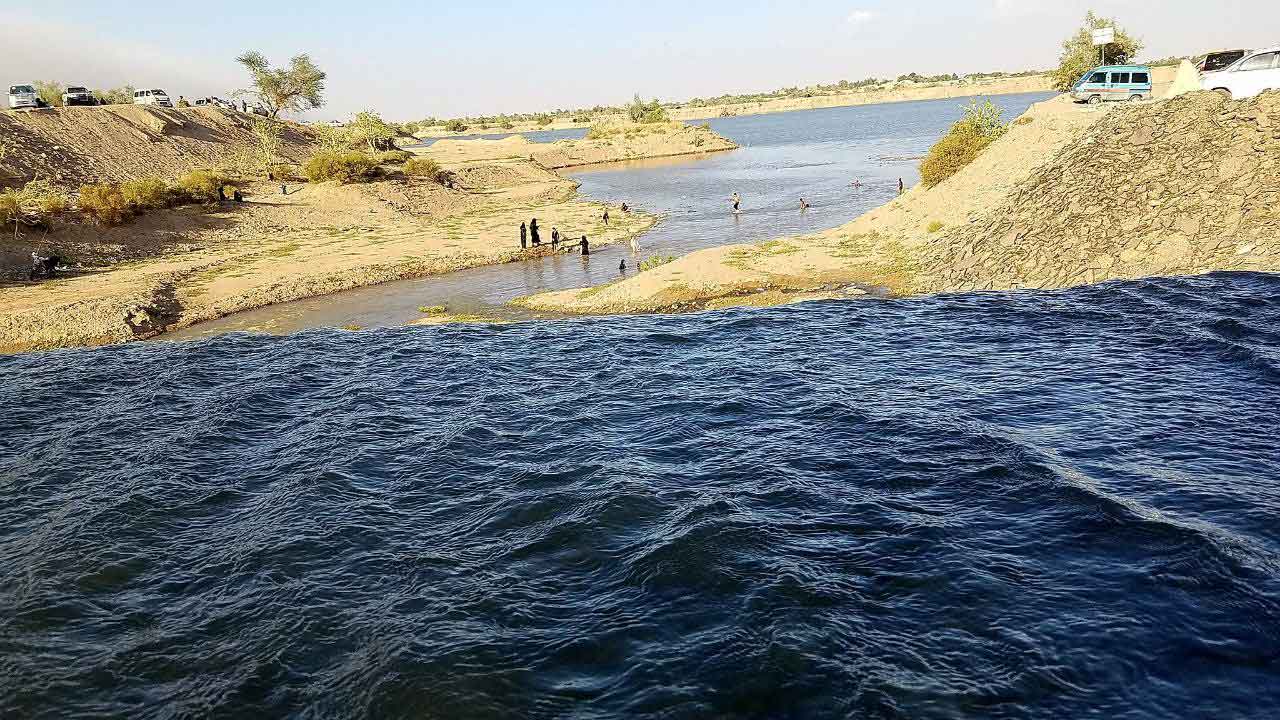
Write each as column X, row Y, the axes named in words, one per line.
column 737, row 203
column 586, row 248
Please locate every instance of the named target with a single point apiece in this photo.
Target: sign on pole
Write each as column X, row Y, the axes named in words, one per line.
column 1104, row 36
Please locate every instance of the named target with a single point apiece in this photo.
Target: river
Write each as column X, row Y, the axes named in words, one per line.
column 810, row 154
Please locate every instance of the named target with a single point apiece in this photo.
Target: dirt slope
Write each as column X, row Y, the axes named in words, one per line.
column 1184, row 186
column 76, row 145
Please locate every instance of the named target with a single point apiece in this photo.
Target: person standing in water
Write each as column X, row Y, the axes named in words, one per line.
column 533, row 233
column 524, row 237
column 803, row 205
column 737, row 203
column 586, row 247
column 901, row 187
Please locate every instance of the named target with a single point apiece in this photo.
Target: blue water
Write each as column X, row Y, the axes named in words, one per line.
column 1036, row 505
column 530, row 135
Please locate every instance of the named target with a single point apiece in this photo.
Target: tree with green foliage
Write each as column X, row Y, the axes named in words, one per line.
column 1079, row 55
column 50, row 92
column 296, row 88
column 369, row 127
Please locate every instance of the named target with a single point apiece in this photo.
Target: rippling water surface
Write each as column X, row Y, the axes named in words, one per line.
column 1049, row 505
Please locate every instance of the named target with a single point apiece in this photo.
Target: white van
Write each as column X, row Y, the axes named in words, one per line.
column 23, row 96
column 152, row 97
column 1255, row 73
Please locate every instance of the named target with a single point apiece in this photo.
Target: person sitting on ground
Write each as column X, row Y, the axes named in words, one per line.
column 43, row 266
column 586, row 248
column 237, row 196
column 524, row 237
column 533, row 233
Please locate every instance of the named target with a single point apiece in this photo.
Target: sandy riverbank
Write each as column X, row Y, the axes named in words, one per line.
column 1072, row 194
column 182, row 267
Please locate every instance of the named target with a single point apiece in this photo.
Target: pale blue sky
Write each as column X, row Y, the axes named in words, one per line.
column 414, row 59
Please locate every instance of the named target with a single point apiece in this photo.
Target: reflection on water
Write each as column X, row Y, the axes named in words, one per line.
column 810, row 154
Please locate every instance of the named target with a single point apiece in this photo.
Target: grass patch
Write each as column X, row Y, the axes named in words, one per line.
column 424, row 167
column 432, row 309
column 654, row 261
column 934, row 226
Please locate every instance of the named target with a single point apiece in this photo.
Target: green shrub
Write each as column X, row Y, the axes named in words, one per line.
column 455, row 126
column 423, row 167
column 147, row 194
column 393, row 157
column 980, row 126
column 202, row 185
column 343, row 167
column 640, row 111
column 654, row 261
column 934, row 226
column 105, row 203
column 280, row 171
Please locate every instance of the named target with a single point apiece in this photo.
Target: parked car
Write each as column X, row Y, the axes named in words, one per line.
column 1220, row 60
column 1256, row 72
column 152, row 97
column 1113, row 83
column 24, row 96
column 76, row 95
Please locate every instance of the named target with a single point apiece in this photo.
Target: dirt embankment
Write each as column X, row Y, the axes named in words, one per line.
column 77, row 145
column 1070, row 195
column 172, row 269
column 613, row 143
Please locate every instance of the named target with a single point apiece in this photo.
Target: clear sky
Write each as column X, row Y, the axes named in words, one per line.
column 415, row 59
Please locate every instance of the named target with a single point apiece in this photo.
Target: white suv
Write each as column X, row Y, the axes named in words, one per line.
column 1256, row 72
column 152, row 97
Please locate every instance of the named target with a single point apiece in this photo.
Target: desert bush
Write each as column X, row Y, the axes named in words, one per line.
column 423, row 167
column 640, row 111
column 1024, row 120
column 455, row 126
column 934, row 226
column 343, row 167
column 105, row 203
column 393, row 157
column 202, row 185
column 33, row 204
column 146, row 194
column 115, row 96
column 544, row 120
column 980, row 126
column 654, row 261
column 50, row 92
column 280, row 171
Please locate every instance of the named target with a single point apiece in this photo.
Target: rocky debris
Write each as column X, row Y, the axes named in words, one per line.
column 1183, row 186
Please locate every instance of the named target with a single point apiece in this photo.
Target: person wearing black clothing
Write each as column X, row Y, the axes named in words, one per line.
column 586, row 248
column 606, row 216
column 555, row 238
column 524, row 237
column 533, row 233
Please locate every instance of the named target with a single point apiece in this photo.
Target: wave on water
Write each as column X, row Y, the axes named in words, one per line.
column 1004, row 505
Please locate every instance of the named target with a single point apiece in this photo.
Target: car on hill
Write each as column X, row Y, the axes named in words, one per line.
column 152, row 97
column 24, row 96
column 76, row 95
column 1113, row 83
column 1254, row 73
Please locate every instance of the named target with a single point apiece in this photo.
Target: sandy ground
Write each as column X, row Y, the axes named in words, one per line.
column 182, row 267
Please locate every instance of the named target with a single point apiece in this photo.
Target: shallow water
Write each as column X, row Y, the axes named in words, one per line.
column 814, row 154
column 1032, row 505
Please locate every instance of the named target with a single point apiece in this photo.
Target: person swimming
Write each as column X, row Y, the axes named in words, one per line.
column 856, row 183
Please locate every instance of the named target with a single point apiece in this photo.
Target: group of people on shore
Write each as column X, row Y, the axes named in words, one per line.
column 530, row 232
